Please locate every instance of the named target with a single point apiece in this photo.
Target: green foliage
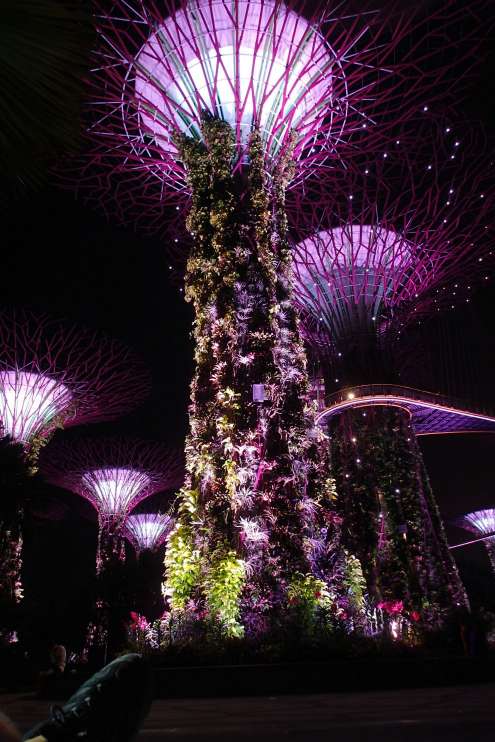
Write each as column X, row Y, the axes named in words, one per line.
column 224, row 584
column 354, row 581
column 182, row 558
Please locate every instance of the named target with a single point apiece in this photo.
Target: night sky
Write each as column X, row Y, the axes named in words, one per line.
column 61, row 257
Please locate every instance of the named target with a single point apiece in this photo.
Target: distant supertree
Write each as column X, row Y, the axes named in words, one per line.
column 404, row 235
column 147, row 530
column 114, row 474
column 217, row 107
column 482, row 523
column 53, row 375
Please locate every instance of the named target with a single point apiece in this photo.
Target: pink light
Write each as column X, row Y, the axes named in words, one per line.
column 148, row 530
column 481, row 522
column 29, row 403
column 249, row 62
column 356, row 263
column 115, row 490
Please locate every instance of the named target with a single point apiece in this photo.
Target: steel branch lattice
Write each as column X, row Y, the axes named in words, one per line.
column 114, row 474
column 148, row 530
column 51, row 373
column 333, row 79
column 404, row 235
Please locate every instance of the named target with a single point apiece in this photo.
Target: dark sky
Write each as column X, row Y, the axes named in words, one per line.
column 61, row 257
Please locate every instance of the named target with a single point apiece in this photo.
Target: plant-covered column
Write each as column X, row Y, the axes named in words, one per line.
column 392, row 523
column 249, row 510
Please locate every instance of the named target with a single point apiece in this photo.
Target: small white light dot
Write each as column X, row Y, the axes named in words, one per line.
column 358, row 461
column 456, row 144
column 425, row 108
column 447, row 130
column 429, row 167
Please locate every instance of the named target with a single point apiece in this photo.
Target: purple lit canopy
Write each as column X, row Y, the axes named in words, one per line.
column 113, row 474
column 481, row 522
column 306, row 73
column 52, row 375
column 396, row 237
column 147, row 530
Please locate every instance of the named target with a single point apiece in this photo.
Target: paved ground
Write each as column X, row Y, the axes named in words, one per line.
column 419, row 715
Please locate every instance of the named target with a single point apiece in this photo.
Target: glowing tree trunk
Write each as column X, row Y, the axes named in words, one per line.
column 247, row 515
column 392, row 522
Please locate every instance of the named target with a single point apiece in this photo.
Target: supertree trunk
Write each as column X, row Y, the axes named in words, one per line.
column 248, row 510
column 490, row 547
column 11, row 558
column 105, row 634
column 391, row 520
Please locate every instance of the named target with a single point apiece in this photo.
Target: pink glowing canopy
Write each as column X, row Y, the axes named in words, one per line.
column 114, row 474
column 148, row 530
column 54, row 374
column 115, row 490
column 394, row 237
column 308, row 73
column 251, row 62
column 481, row 522
column 353, row 264
column 30, row 403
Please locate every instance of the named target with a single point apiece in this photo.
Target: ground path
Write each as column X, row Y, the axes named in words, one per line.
column 464, row 713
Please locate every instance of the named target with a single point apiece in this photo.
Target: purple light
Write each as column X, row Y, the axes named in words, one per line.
column 51, row 373
column 365, row 265
column 257, row 62
column 29, row 403
column 114, row 474
column 430, row 413
column 148, row 530
column 481, row 522
column 115, row 490
column 330, row 78
column 357, row 264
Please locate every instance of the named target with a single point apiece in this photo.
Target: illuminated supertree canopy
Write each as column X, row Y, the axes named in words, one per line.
column 114, row 474
column 53, row 375
column 405, row 235
column 482, row 523
column 148, row 530
column 312, row 78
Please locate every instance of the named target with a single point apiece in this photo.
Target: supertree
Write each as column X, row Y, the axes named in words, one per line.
column 54, row 375
column 147, row 531
column 217, row 107
column 115, row 475
column 405, row 235
column 482, row 523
